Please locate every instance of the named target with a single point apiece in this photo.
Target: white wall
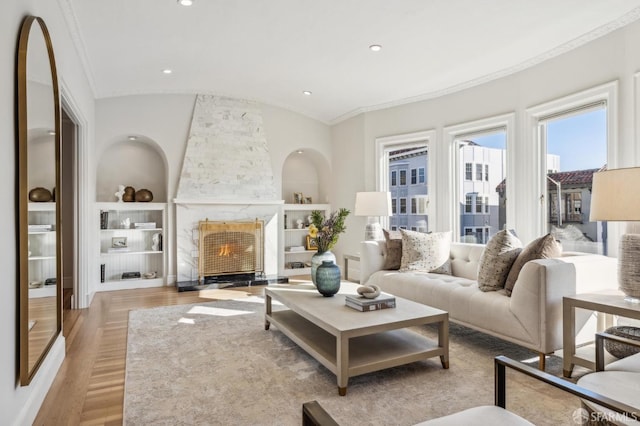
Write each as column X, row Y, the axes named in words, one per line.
column 613, row 57
column 19, row 405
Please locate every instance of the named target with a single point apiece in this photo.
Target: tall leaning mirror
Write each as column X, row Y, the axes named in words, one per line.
column 38, row 162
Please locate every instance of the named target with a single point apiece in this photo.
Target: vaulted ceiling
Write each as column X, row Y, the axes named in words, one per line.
column 273, row 50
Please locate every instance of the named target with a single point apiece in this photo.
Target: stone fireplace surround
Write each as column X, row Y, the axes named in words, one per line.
column 226, row 176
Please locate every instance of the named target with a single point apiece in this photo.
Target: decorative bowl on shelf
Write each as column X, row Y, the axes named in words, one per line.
column 149, row 275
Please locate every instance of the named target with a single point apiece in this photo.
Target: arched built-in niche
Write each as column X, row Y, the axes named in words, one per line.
column 138, row 163
column 306, row 171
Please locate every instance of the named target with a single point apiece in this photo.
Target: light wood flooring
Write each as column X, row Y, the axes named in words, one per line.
column 89, row 388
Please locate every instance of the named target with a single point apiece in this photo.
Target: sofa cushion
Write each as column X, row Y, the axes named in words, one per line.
column 545, row 247
column 426, row 252
column 501, row 251
column 393, row 255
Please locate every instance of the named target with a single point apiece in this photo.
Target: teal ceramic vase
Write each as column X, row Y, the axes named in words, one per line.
column 317, row 259
column 328, row 278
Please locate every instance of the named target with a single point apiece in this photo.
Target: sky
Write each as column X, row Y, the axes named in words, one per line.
column 580, row 141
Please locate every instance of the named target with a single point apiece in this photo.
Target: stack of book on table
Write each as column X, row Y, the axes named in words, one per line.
column 363, row 304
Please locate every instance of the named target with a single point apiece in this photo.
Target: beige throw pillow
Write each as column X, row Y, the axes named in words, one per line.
column 426, row 252
column 496, row 260
column 393, row 257
column 541, row 248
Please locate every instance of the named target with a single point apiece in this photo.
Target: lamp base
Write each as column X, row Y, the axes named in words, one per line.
column 373, row 231
column 629, row 267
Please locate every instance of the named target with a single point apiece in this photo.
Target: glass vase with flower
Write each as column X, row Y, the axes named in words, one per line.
column 325, row 232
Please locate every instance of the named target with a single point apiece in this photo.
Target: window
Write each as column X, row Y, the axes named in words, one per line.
column 486, row 142
column 479, row 208
column 421, row 176
column 467, row 204
column 408, row 156
column 566, row 135
column 423, row 203
column 481, row 168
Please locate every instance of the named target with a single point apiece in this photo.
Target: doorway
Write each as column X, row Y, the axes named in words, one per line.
column 68, row 211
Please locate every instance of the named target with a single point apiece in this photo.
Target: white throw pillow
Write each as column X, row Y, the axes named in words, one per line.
column 426, row 252
column 496, row 260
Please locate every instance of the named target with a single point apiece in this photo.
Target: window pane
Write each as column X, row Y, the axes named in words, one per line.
column 480, row 198
column 394, row 178
column 412, row 161
column 576, row 149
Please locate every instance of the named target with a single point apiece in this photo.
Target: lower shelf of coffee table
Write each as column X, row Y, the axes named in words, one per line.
column 368, row 353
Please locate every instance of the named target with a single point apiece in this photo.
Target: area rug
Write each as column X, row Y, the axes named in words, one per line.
column 214, row 364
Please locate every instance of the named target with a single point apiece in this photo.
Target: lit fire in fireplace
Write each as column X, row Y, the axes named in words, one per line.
column 225, row 250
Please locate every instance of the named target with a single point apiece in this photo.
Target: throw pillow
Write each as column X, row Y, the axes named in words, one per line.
column 393, row 258
column 426, row 252
column 541, row 248
column 496, row 260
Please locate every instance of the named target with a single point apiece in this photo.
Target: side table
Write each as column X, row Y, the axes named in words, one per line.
column 347, row 258
column 608, row 302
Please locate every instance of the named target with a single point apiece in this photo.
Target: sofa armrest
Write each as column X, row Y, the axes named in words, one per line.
column 536, row 299
column 371, row 258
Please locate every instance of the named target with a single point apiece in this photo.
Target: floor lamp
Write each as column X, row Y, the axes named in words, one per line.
column 373, row 205
column 615, row 196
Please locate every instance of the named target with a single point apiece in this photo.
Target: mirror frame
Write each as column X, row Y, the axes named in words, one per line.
column 26, row 374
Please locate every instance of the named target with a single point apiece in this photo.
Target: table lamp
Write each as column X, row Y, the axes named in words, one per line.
column 373, row 205
column 615, row 196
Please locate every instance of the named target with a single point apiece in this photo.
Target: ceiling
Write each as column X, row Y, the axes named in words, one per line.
column 272, row 50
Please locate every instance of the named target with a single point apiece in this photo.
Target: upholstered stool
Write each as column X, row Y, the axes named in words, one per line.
column 622, row 386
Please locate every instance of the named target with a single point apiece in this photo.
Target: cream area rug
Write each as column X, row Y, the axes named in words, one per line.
column 215, row 364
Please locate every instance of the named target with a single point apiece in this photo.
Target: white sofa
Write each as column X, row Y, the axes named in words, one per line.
column 531, row 317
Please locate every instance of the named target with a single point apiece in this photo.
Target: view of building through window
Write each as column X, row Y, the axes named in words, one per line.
column 576, row 146
column 482, row 171
column 409, row 189
column 579, row 142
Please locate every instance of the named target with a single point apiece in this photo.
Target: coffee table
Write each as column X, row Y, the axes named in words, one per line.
column 349, row 342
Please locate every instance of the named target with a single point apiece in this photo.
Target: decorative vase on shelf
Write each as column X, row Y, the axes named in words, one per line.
column 316, row 260
column 328, row 278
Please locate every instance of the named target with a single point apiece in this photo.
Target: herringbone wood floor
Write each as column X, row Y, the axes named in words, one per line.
column 89, row 388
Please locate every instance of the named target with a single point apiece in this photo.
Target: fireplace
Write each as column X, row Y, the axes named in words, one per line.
column 230, row 248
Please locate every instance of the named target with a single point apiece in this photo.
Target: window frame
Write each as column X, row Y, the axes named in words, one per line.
column 535, row 119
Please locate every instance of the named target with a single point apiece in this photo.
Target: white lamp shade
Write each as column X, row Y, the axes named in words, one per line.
column 615, row 195
column 373, row 204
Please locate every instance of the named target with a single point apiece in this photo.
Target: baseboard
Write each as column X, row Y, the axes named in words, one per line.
column 41, row 383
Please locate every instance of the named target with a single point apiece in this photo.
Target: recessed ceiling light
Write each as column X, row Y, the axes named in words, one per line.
column 306, row 92
column 133, row 138
column 299, row 151
column 167, row 71
column 185, row 2
column 52, row 132
column 375, row 47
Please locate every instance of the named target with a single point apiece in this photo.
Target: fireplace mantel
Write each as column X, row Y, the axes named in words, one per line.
column 228, row 202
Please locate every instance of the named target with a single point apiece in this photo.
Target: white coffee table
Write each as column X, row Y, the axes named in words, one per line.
column 349, row 342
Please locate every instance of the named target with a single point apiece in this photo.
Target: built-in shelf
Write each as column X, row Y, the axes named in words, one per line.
column 142, row 255
column 294, row 236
